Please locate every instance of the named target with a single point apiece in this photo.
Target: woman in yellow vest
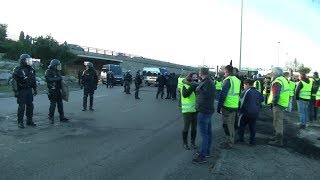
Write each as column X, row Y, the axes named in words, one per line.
column 188, row 107
column 303, row 96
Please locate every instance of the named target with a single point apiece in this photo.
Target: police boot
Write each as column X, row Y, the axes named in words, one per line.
column 278, row 141
column 91, row 104
column 185, row 140
column 30, row 122
column 51, row 120
column 20, row 125
column 272, row 137
column 193, row 139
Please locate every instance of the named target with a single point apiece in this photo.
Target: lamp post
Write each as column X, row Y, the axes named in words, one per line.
column 241, row 36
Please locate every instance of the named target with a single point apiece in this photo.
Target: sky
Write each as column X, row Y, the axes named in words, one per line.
column 189, row 32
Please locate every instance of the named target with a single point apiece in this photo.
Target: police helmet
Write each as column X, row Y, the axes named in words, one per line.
column 89, row 64
column 55, row 63
column 23, row 58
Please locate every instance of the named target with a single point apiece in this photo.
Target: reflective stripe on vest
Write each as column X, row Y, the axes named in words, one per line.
column 188, row 105
column 180, row 83
column 292, row 86
column 305, row 92
column 232, row 99
column 284, row 92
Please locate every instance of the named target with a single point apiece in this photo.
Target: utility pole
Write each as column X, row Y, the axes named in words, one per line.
column 241, row 36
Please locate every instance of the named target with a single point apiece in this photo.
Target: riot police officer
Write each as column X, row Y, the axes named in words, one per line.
column 137, row 82
column 54, row 84
column 90, row 83
column 127, row 81
column 23, row 82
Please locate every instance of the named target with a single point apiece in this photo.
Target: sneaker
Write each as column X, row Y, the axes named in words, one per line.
column 64, row 119
column 186, row 146
column 207, row 156
column 91, row 109
column 84, row 109
column 252, row 144
column 240, row 141
column 137, row 98
column 31, row 123
column 20, row 125
column 226, row 145
column 199, row 160
column 302, row 127
column 193, row 146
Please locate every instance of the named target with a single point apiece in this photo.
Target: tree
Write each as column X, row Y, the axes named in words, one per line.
column 21, row 36
column 3, row 32
column 294, row 65
column 304, row 70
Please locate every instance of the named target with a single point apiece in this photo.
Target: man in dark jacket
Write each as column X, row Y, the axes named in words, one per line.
column 161, row 82
column 90, row 83
column 23, row 82
column 250, row 107
column 205, row 108
column 127, row 82
column 54, row 80
column 168, row 85
column 137, row 83
column 174, row 86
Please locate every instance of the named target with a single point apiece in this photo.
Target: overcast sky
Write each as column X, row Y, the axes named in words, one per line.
column 190, row 32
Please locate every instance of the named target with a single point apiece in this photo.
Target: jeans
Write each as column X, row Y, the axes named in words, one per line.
column 204, row 123
column 303, row 111
column 289, row 108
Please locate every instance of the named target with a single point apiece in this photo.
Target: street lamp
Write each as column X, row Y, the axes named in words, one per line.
column 241, row 36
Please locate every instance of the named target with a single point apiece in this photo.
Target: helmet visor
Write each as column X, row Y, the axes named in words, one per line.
column 29, row 61
column 59, row 67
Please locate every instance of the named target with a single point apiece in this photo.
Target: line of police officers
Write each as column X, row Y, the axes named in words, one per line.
column 25, row 88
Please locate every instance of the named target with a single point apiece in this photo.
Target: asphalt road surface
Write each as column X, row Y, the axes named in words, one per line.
column 126, row 138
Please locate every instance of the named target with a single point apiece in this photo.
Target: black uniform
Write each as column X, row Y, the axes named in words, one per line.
column 137, row 82
column 174, row 85
column 127, row 81
column 161, row 82
column 23, row 82
column 89, row 82
column 110, row 79
column 54, row 78
column 168, row 85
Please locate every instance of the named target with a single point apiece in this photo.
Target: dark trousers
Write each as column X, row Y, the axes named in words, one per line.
column 217, row 94
column 160, row 90
column 88, row 92
column 55, row 100
column 25, row 102
column 190, row 119
column 109, row 83
column 174, row 92
column 252, row 127
column 136, row 94
column 127, row 87
column 168, row 92
column 312, row 110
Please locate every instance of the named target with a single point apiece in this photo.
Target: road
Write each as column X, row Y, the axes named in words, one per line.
column 126, row 138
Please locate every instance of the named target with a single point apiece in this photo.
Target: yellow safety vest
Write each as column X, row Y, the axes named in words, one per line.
column 317, row 94
column 180, row 83
column 284, row 92
column 232, row 99
column 305, row 92
column 188, row 105
column 292, row 86
column 218, row 85
column 257, row 85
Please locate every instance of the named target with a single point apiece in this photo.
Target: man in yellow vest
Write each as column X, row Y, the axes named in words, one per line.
column 292, row 86
column 257, row 83
column 303, row 97
column 228, row 105
column 279, row 98
column 188, row 108
column 180, row 85
column 266, row 89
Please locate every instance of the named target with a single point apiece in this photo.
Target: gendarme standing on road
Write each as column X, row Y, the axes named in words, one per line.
column 89, row 81
column 23, row 82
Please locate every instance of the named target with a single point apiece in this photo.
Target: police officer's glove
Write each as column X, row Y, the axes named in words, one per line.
column 95, row 88
column 35, row 92
column 16, row 93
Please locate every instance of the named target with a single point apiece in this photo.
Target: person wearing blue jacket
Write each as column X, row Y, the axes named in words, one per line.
column 250, row 106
